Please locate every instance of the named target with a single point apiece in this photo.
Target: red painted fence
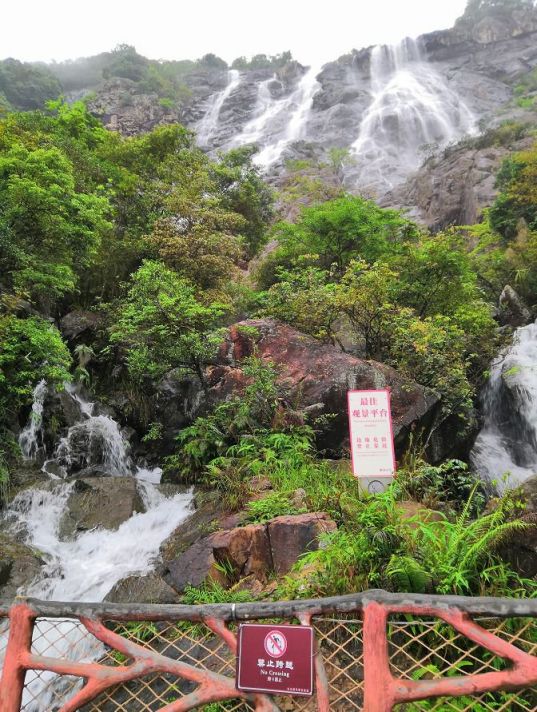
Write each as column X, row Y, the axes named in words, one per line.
column 375, row 651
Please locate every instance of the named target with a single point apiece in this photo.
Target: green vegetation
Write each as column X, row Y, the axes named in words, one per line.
column 88, row 219
column 161, row 325
column 152, row 237
column 409, row 299
column 262, row 61
column 27, row 86
column 502, row 9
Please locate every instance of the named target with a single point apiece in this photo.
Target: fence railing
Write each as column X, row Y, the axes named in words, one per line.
column 375, row 651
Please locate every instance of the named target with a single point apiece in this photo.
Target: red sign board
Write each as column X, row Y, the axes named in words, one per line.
column 371, row 434
column 277, row 659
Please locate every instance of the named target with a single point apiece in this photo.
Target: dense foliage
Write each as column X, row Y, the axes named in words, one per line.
column 157, row 242
column 149, row 229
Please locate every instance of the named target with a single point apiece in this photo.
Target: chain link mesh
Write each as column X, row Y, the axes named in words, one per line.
column 419, row 649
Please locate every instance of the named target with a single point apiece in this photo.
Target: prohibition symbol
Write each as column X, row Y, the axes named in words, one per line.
column 275, row 644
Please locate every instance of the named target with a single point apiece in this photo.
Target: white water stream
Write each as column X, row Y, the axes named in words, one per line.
column 505, row 451
column 412, row 105
column 207, row 126
column 295, row 110
column 86, row 567
column 30, row 440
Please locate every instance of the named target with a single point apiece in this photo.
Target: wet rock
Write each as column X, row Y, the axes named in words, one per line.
column 513, row 310
column 196, row 566
column 293, row 535
column 104, row 502
column 206, row 519
column 244, row 551
column 19, row 566
column 80, row 323
column 177, row 401
column 23, row 476
column 142, row 589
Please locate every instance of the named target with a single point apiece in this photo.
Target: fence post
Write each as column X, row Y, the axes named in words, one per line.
column 21, row 625
column 378, row 680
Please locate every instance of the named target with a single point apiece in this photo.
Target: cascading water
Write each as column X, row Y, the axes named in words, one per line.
column 31, row 437
column 266, row 110
column 505, row 451
column 207, row 126
column 86, row 567
column 96, row 440
column 412, row 105
column 297, row 106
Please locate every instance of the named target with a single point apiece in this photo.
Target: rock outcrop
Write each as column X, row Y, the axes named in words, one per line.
column 316, row 378
column 104, row 502
column 453, row 186
column 255, row 550
column 513, row 310
column 19, row 566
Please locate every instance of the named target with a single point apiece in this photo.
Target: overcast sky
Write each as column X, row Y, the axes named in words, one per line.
column 314, row 30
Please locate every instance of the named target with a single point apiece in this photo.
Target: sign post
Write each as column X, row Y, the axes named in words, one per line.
column 371, row 438
column 277, row 659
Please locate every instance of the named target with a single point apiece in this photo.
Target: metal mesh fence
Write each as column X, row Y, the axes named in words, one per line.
column 418, row 648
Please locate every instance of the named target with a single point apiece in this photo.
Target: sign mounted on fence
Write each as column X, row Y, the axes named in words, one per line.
column 371, row 438
column 275, row 659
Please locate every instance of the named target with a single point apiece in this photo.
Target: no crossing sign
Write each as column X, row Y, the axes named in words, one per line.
column 275, row 659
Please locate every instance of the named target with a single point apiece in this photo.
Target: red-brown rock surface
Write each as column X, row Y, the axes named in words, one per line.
column 317, row 376
column 293, row 535
column 255, row 551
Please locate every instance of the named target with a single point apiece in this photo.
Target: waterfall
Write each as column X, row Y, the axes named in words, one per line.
column 207, row 126
column 266, row 109
column 506, row 447
column 31, row 437
column 86, row 567
column 295, row 109
column 411, row 105
column 96, row 440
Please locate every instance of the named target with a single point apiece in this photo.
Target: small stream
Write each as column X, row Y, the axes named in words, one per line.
column 505, row 451
column 86, row 567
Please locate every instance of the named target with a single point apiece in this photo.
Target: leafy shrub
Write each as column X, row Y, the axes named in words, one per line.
column 30, row 350
column 274, row 504
column 450, row 483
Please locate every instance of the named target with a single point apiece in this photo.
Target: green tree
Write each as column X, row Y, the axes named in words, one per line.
column 48, row 231
column 27, row 86
column 242, row 190
column 30, row 350
column 336, row 232
column 160, row 325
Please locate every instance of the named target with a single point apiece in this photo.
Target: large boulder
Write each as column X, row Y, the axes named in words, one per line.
column 293, row 535
column 244, row 551
column 80, row 323
column 104, row 502
column 194, row 567
column 254, row 551
column 142, row 589
column 513, row 310
column 316, row 378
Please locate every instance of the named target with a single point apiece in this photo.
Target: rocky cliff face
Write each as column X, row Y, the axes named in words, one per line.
column 390, row 107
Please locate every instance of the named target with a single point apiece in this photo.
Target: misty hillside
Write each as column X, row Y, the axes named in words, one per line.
column 198, row 262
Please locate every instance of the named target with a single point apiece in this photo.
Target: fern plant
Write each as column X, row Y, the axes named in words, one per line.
column 458, row 556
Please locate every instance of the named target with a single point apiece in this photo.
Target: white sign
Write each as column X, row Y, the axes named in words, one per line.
column 371, row 438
